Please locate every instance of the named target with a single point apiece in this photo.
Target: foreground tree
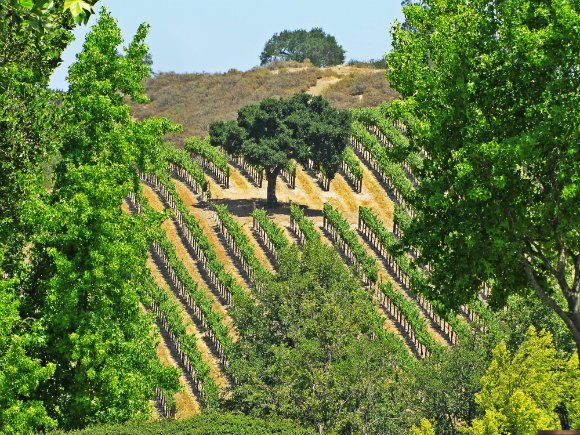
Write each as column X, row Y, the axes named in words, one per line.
column 316, row 354
column 88, row 258
column 29, row 135
column 494, row 89
column 274, row 132
column 521, row 394
column 298, row 45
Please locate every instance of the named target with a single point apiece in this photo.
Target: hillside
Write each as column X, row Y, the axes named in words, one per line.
column 196, row 100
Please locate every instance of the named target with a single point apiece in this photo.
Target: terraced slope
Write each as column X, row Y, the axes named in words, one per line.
column 217, row 263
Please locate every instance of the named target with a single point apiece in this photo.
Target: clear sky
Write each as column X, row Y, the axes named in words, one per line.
column 216, row 35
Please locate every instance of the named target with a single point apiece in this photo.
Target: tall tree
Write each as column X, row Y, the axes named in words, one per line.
column 275, row 131
column 298, row 45
column 89, row 257
column 520, row 393
column 29, row 52
column 494, row 88
column 315, row 353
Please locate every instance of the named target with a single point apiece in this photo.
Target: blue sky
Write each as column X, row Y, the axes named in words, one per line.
column 216, row 35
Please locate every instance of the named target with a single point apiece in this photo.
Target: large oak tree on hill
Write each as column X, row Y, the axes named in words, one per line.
column 495, row 90
column 274, row 132
column 299, row 45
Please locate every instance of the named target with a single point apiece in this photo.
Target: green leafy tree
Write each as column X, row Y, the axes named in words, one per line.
column 29, row 134
column 310, row 355
column 425, row 428
column 520, row 394
column 298, row 45
column 494, row 92
column 89, row 256
column 445, row 385
column 275, row 131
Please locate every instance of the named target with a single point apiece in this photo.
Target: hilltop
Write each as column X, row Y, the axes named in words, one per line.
column 196, row 100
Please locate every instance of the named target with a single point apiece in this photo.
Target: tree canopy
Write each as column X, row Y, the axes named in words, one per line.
column 274, row 132
column 75, row 348
column 493, row 94
column 299, row 45
column 522, row 393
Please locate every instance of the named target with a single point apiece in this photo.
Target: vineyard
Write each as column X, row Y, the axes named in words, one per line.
column 292, row 249
column 217, row 245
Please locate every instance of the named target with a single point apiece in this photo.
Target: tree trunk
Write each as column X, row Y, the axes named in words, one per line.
column 271, row 177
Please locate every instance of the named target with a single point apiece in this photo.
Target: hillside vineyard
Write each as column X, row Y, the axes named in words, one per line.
column 217, row 245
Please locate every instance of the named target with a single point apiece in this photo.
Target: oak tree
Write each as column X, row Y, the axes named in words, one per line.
column 298, row 45
column 274, row 132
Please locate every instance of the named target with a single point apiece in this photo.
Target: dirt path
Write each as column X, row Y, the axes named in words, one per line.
column 374, row 196
column 152, row 198
column 191, row 329
column 322, row 84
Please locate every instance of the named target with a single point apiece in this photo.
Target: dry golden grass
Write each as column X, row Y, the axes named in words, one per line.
column 196, row 100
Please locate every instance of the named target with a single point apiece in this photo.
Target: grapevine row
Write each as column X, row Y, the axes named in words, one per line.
column 254, row 172
column 186, row 169
column 340, row 231
column 352, row 169
column 407, row 314
column 302, row 227
column 210, row 157
column 239, row 243
column 377, row 156
column 272, row 235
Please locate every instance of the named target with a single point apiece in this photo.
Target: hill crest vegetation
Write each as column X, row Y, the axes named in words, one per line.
column 196, row 100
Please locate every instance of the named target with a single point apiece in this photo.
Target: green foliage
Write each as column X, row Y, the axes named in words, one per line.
column 425, row 428
column 88, row 257
column 318, row 342
column 20, row 374
column 182, row 159
column 276, row 131
column 445, row 384
column 493, row 92
column 204, row 424
column 342, row 226
column 520, row 394
column 298, row 45
column 203, row 148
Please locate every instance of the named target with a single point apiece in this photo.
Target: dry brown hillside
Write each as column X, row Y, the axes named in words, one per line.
column 196, row 100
